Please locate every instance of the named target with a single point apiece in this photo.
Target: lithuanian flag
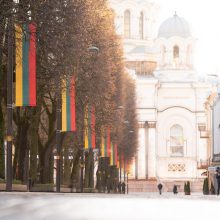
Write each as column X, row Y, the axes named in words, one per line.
column 25, row 41
column 68, row 105
column 114, row 154
column 108, row 142
column 105, row 143
column 89, row 123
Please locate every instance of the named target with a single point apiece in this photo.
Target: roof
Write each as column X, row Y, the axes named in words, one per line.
column 174, row 26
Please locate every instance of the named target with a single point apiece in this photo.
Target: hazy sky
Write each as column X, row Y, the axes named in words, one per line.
column 204, row 19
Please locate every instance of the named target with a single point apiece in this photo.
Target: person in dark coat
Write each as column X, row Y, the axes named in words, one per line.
column 160, row 186
column 123, row 187
column 175, row 189
column 119, row 187
column 108, row 184
column 218, row 179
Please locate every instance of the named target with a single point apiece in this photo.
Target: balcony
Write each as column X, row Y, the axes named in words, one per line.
column 203, row 164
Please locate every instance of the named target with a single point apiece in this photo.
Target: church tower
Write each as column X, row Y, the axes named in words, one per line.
column 170, row 97
column 175, row 46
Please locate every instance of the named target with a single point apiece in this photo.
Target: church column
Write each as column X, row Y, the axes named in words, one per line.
column 141, row 154
column 151, row 150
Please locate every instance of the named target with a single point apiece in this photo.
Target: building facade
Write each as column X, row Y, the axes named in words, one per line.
column 170, row 95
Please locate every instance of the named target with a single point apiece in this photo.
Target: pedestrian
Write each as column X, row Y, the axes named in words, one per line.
column 218, row 179
column 108, row 184
column 160, row 186
column 123, row 186
column 175, row 189
column 119, row 187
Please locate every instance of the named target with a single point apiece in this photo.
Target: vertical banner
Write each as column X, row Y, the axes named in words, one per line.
column 86, row 128
column 68, row 105
column 93, row 134
column 102, row 143
column 105, row 143
column 108, row 142
column 25, row 58
column 89, row 128
column 112, row 160
column 115, row 154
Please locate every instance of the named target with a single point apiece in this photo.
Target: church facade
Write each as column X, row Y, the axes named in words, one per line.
column 173, row 144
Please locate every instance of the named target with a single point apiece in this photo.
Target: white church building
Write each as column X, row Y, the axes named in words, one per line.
column 170, row 95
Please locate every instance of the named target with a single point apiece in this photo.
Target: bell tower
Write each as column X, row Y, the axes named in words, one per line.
column 175, row 45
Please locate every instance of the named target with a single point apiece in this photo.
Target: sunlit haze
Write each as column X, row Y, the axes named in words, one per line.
column 203, row 17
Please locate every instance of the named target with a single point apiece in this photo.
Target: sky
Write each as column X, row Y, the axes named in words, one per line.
column 204, row 19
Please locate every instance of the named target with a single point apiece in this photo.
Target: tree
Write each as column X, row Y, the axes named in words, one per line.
column 206, row 186
column 65, row 31
column 187, row 188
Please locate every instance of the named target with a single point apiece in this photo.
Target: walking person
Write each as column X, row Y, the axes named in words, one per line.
column 123, row 187
column 119, row 187
column 160, row 186
column 218, row 179
column 175, row 191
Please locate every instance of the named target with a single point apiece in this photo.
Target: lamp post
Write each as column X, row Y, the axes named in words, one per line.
column 58, row 143
column 81, row 169
column 127, row 182
column 91, row 49
column 120, row 164
column 9, row 106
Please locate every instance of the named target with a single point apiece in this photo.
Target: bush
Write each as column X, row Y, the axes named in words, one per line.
column 49, row 187
column 16, row 182
column 212, row 189
column 187, row 188
column 206, row 186
column 13, row 181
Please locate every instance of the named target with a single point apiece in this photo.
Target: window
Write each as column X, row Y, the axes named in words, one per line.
column 141, row 26
column 127, row 21
column 176, row 141
column 175, row 52
column 175, row 56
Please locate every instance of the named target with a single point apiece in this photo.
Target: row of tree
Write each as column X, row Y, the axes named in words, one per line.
column 65, row 31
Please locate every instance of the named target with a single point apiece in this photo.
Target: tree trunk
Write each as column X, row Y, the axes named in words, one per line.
column 89, row 169
column 75, row 173
column 21, row 150
column 46, row 166
column 2, row 153
column 33, row 142
column 67, row 169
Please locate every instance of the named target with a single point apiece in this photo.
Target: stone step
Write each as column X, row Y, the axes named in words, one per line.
column 151, row 186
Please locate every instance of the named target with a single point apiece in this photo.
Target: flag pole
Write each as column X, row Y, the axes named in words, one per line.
column 9, row 106
column 58, row 143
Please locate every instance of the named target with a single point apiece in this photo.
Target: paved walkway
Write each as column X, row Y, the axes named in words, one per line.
column 146, row 206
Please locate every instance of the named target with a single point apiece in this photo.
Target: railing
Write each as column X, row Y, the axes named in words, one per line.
column 216, row 158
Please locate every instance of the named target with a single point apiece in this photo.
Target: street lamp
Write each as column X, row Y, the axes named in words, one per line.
column 81, row 169
column 93, row 49
column 127, row 182
column 90, row 49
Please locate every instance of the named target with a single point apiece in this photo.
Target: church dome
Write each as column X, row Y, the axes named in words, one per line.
column 174, row 26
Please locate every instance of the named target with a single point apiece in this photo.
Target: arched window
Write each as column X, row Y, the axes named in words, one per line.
column 176, row 141
column 127, row 23
column 175, row 52
column 175, row 56
column 141, row 26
